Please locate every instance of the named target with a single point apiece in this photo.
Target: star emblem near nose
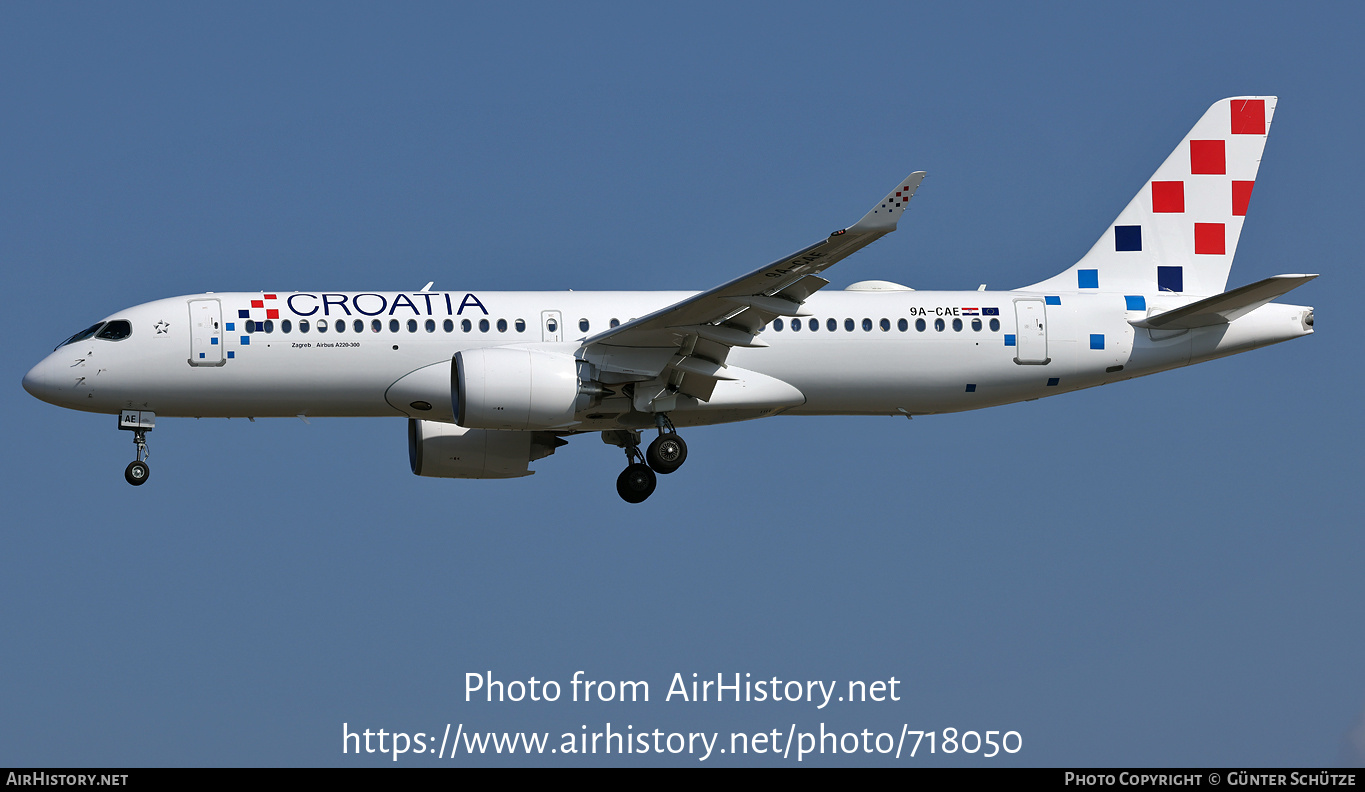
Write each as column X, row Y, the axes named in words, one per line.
column 161, row 327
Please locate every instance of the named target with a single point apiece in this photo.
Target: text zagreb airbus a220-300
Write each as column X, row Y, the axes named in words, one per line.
column 491, row 381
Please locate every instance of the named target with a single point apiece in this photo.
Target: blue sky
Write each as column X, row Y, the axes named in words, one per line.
column 1162, row 572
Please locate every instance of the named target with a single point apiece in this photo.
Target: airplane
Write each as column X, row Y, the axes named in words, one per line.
column 490, row 382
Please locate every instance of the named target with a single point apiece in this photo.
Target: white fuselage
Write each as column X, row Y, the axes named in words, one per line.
column 1011, row 346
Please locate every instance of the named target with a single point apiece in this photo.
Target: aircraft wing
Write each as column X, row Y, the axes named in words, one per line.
column 685, row 344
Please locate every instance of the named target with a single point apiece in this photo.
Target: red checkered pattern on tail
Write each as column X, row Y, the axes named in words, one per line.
column 1188, row 216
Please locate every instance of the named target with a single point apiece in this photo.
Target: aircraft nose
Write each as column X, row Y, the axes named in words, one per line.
column 42, row 381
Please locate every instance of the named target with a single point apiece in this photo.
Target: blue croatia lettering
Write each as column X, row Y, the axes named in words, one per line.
column 383, row 303
column 297, row 312
column 406, row 302
column 340, row 302
column 365, row 304
column 469, row 300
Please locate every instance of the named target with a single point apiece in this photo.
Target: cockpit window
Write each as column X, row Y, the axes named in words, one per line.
column 82, row 335
column 116, row 330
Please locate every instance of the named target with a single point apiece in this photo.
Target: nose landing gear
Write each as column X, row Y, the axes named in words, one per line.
column 139, row 423
column 136, row 473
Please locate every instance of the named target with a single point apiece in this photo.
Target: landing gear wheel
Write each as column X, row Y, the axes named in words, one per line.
column 667, row 453
column 136, row 473
column 636, row 483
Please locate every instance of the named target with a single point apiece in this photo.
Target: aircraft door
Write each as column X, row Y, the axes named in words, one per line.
column 206, row 333
column 1030, row 332
column 551, row 327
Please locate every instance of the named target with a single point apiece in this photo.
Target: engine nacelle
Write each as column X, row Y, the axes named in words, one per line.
column 443, row 450
column 518, row 389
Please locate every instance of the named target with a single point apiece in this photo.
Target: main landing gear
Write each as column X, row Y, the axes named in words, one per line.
column 139, row 423
column 637, row 481
column 664, row 455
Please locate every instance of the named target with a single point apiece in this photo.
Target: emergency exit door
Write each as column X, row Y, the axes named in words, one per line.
column 1030, row 332
column 206, row 333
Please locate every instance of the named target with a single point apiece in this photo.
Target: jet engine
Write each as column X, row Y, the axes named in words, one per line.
column 442, row 450
column 519, row 389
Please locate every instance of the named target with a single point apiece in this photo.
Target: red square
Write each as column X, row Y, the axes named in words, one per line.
column 1209, row 239
column 1241, row 196
column 1208, row 156
column 1168, row 196
column 268, row 296
column 257, row 304
column 272, row 313
column 1248, row 116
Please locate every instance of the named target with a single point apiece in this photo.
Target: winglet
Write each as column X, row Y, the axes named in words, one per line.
column 884, row 215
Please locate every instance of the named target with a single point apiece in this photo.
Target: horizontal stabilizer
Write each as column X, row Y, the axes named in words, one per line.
column 1225, row 307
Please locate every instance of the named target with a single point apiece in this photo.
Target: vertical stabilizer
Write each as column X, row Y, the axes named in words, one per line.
column 1179, row 233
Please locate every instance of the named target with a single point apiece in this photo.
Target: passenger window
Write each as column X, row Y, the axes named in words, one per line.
column 957, row 325
column 814, row 324
column 285, row 326
column 777, row 325
column 431, row 325
column 322, row 325
column 885, row 324
column 466, row 325
column 867, row 325
column 995, row 325
column 376, row 325
column 341, row 325
column 976, row 325
column 412, row 325
column 448, row 326
column 939, row 325
column 269, row 325
column 920, row 325
column 902, row 325
column 502, row 325
column 303, row 325
column 614, row 322
column 393, row 325
column 583, row 325
column 521, row 325
column 831, row 325
column 116, row 330
column 483, row 325
column 358, row 326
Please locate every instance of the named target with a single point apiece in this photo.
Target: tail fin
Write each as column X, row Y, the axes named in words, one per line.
column 1180, row 231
